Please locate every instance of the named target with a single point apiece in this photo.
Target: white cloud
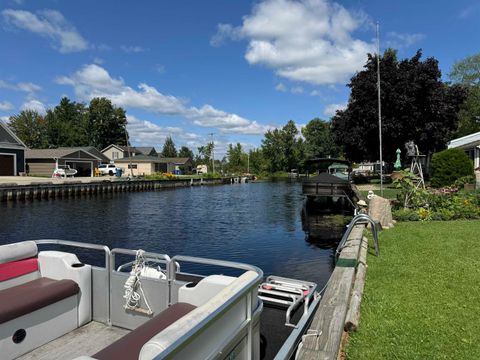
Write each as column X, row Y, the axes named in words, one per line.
column 224, row 32
column 296, row 90
column 98, row 61
column 401, row 41
column 34, row 105
column 331, row 109
column 307, row 40
column 6, row 106
column 315, row 93
column 50, row 24
column 144, row 132
column 27, row 87
column 160, row 68
column 5, row 119
column 94, row 81
column 132, row 49
column 281, row 87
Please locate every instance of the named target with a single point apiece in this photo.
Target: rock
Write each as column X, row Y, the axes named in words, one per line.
column 380, row 210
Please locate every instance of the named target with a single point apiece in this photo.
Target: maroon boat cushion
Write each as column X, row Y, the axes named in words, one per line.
column 129, row 346
column 14, row 269
column 33, row 295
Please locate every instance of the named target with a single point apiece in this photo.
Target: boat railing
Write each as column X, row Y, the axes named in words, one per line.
column 245, row 291
column 359, row 219
column 90, row 246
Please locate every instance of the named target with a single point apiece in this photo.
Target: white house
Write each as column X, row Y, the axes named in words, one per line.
column 471, row 145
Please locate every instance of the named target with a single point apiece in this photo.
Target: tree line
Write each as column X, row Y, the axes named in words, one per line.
column 416, row 105
column 72, row 124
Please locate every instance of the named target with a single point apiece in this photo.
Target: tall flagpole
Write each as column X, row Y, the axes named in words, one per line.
column 379, row 109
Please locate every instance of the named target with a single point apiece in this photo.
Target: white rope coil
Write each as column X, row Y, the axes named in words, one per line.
column 133, row 286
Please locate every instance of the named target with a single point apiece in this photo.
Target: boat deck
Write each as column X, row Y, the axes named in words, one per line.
column 86, row 340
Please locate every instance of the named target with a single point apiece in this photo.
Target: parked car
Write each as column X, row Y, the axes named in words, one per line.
column 63, row 171
column 108, row 169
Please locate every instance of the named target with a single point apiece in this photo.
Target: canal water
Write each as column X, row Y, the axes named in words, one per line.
column 255, row 223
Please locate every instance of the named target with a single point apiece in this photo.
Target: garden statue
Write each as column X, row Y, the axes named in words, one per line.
column 412, row 149
column 398, row 164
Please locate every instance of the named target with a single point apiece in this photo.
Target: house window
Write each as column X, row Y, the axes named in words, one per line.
column 114, row 155
column 132, row 166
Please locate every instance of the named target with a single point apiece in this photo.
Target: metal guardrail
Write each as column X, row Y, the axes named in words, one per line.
column 360, row 218
column 245, row 291
column 83, row 245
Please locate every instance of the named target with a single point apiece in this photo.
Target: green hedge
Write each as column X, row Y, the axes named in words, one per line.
column 450, row 165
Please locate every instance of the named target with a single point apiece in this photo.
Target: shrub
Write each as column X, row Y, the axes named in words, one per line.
column 449, row 166
column 406, row 215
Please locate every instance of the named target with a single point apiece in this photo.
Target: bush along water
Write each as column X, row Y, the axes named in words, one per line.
column 445, row 203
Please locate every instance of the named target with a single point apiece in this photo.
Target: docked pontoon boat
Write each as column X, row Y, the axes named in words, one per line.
column 52, row 306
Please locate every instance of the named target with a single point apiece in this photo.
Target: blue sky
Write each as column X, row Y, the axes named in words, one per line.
column 232, row 68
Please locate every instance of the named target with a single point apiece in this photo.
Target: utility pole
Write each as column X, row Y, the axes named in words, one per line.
column 128, row 151
column 213, row 154
column 379, row 109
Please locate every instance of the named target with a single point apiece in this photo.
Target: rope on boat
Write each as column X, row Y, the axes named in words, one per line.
column 133, row 286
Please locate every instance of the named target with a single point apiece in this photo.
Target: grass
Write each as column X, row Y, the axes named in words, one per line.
column 422, row 295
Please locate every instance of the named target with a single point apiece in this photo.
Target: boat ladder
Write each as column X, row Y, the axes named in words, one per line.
column 288, row 293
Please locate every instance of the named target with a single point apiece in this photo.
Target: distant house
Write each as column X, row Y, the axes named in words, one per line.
column 44, row 161
column 114, row 152
column 176, row 165
column 147, row 165
column 139, row 165
column 12, row 152
column 471, row 145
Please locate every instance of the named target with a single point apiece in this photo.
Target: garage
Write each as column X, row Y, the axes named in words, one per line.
column 7, row 165
column 12, row 152
column 84, row 168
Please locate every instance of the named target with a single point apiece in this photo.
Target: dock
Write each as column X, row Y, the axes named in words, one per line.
column 339, row 307
column 72, row 188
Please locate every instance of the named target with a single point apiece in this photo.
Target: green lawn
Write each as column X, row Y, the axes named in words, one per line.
column 422, row 295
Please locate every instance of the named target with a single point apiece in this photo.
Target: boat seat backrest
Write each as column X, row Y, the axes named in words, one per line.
column 18, row 263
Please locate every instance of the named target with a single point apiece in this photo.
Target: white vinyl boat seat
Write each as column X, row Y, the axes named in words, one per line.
column 128, row 347
column 26, row 298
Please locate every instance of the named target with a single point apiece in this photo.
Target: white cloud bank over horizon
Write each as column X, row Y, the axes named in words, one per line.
column 95, row 81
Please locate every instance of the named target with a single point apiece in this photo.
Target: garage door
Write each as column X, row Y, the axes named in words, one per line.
column 83, row 168
column 7, row 166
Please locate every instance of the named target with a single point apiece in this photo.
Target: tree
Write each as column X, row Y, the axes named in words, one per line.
column 467, row 73
column 31, row 128
column 106, row 124
column 282, row 149
column 185, row 152
column 169, row 149
column 416, row 105
column 67, row 124
column 236, row 158
column 319, row 141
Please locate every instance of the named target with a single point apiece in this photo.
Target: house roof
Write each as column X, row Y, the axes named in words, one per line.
column 8, row 137
column 122, row 148
column 146, row 150
column 174, row 160
column 139, row 158
column 92, row 150
column 467, row 141
column 57, row 153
